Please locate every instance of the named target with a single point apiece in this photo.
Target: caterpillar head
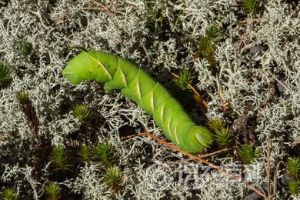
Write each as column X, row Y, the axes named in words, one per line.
column 90, row 65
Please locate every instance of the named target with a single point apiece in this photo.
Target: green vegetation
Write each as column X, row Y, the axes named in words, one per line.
column 112, row 176
column 294, row 187
column 5, row 74
column 23, row 97
column 206, row 46
column 81, row 112
column 59, row 158
column 293, row 167
column 293, row 170
column 52, row 191
column 26, row 48
column 10, row 194
column 153, row 13
column 247, row 153
column 250, row 6
column 85, row 153
column 184, row 79
column 104, row 152
column 223, row 135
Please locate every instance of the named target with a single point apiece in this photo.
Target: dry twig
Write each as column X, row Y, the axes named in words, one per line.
column 201, row 160
column 267, row 166
column 216, row 152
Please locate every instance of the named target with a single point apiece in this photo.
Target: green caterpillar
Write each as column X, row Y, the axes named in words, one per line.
column 134, row 83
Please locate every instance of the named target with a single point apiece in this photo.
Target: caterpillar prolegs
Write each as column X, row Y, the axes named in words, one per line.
column 134, row 83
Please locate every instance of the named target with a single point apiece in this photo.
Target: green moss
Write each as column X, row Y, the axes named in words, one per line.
column 105, row 153
column 206, row 45
column 5, row 74
column 223, row 135
column 59, row 158
column 85, row 153
column 26, row 48
column 294, row 187
column 112, row 176
column 293, row 167
column 247, row 153
column 52, row 191
column 153, row 14
column 10, row 194
column 212, row 32
column 81, row 112
column 23, row 97
column 184, row 79
column 250, row 6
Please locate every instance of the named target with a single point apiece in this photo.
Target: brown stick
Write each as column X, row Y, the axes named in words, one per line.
column 251, row 20
column 268, row 170
column 201, row 160
column 103, row 8
column 275, row 179
column 216, row 152
column 29, row 111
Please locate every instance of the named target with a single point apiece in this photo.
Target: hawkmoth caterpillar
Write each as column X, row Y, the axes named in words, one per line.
column 118, row 73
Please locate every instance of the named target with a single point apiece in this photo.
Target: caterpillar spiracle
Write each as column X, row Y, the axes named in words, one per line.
column 118, row 73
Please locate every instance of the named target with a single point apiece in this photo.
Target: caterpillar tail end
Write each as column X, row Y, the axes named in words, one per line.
column 197, row 140
column 204, row 137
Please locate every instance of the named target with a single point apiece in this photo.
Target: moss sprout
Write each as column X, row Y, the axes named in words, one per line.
column 105, row 153
column 223, row 135
column 184, row 79
column 26, row 48
column 5, row 74
column 112, row 176
column 153, row 15
column 85, row 153
column 59, row 158
column 52, row 191
column 247, row 153
column 23, row 97
column 81, row 112
column 293, row 167
column 206, row 45
column 250, row 6
column 294, row 187
column 216, row 124
column 10, row 194
column 212, row 32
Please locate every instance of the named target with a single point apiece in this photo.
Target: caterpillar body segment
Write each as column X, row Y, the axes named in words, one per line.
column 135, row 84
